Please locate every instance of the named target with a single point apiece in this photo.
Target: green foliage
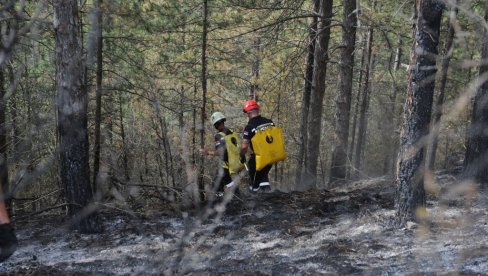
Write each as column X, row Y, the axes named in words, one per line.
column 152, row 74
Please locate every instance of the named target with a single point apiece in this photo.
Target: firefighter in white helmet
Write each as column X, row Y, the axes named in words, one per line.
column 227, row 148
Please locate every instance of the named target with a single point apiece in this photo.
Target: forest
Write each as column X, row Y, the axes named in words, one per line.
column 105, row 107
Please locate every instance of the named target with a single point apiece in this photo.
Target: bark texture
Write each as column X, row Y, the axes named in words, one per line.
column 72, row 115
column 436, row 120
column 363, row 116
column 201, row 185
column 321, row 58
column 340, row 162
column 99, row 78
column 4, row 183
column 307, row 88
column 391, row 125
column 476, row 160
column 418, row 109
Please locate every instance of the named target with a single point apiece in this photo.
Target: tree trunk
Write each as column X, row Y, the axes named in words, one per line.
column 14, row 115
column 8, row 38
column 339, row 163
column 418, row 109
column 278, row 119
column 201, row 185
column 72, row 116
column 125, row 150
column 9, row 29
column 194, row 126
column 301, row 157
column 476, row 159
column 391, row 141
column 168, row 156
column 317, row 93
column 356, row 106
column 255, row 68
column 4, row 183
column 98, row 107
column 363, row 120
column 436, row 120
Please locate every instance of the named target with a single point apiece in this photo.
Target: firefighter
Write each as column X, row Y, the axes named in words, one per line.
column 259, row 179
column 227, row 148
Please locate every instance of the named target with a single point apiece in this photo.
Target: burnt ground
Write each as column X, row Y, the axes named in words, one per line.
column 347, row 230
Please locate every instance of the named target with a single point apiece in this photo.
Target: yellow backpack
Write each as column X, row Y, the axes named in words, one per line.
column 232, row 146
column 268, row 145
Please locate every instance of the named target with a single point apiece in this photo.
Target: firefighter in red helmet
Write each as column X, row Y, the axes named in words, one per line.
column 259, row 180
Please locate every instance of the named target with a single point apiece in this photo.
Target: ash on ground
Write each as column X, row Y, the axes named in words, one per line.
column 346, row 230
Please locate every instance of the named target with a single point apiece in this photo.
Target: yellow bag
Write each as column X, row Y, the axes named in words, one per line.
column 268, row 145
column 232, row 146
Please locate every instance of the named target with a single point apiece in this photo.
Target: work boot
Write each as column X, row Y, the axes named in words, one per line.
column 8, row 241
column 265, row 187
column 254, row 189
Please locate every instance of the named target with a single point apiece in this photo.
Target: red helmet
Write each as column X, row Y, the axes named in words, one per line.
column 250, row 105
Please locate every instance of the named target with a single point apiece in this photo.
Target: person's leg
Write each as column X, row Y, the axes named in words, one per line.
column 226, row 181
column 221, row 179
column 253, row 184
column 218, row 181
column 262, row 177
column 8, row 241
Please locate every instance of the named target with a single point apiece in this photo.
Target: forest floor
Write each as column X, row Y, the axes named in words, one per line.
column 346, row 230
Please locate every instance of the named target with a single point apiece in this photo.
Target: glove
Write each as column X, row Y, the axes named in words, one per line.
column 8, row 241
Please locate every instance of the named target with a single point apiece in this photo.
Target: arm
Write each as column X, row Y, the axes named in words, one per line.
column 244, row 146
column 207, row 152
column 243, row 150
column 246, row 140
column 219, row 141
column 219, row 151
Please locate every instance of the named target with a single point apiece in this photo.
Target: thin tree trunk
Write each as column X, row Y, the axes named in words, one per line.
column 278, row 119
column 194, row 126
column 72, row 103
column 476, row 159
column 125, row 150
column 9, row 29
column 98, row 107
column 255, row 67
column 339, row 163
column 436, row 120
column 182, row 135
column 317, row 93
column 358, row 94
column 363, row 120
column 301, row 157
column 392, row 144
column 418, row 109
column 8, row 39
column 4, row 183
column 168, row 156
column 201, row 185
column 356, row 106
column 13, row 114
column 467, row 118
column 159, row 159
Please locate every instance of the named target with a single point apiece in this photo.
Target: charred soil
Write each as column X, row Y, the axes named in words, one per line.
column 346, row 230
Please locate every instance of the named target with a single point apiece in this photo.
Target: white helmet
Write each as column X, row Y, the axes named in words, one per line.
column 217, row 117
